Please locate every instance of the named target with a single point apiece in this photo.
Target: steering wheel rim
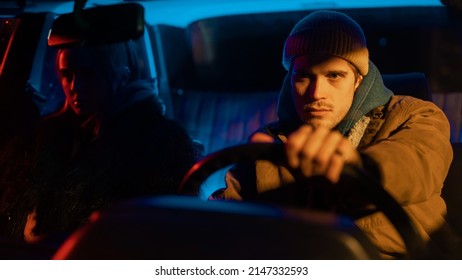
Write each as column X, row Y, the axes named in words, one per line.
column 366, row 185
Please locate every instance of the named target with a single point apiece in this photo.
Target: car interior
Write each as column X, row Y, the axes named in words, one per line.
column 220, row 77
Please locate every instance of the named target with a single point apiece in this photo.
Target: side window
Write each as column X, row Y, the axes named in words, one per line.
column 43, row 85
column 51, row 96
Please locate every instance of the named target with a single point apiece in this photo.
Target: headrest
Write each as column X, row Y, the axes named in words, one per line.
column 240, row 51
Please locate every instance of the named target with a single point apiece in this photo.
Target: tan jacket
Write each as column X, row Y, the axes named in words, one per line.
column 412, row 151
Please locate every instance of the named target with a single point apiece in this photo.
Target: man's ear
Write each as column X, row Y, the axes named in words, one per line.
column 358, row 81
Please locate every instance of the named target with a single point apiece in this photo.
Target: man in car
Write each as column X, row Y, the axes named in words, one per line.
column 335, row 110
column 111, row 142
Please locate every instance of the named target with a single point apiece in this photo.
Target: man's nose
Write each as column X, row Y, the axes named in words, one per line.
column 316, row 89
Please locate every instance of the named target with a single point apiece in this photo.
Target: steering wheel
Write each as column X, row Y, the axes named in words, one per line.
column 366, row 187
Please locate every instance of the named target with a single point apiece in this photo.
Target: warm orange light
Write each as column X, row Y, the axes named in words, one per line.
column 66, row 247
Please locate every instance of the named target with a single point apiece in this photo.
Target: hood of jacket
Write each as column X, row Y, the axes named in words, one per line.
column 370, row 94
column 133, row 93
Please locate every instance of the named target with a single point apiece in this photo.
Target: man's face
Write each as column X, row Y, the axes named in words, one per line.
column 84, row 81
column 323, row 88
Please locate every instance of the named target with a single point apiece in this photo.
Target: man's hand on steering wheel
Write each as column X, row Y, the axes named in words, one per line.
column 317, row 151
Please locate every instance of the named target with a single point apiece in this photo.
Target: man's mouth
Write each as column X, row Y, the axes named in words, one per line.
column 317, row 110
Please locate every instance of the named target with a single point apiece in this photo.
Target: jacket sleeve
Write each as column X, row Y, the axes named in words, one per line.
column 241, row 174
column 412, row 150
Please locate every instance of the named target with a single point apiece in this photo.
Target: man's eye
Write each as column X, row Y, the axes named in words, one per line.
column 300, row 76
column 335, row 76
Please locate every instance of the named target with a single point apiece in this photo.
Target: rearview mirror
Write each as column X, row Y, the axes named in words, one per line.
column 98, row 25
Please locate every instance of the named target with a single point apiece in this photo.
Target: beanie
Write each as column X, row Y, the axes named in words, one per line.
column 331, row 33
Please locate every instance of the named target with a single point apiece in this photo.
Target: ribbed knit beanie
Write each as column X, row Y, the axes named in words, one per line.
column 327, row 32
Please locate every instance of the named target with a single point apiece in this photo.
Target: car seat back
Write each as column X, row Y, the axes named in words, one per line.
column 185, row 228
column 452, row 190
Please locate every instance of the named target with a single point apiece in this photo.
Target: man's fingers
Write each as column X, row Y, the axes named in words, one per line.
column 320, row 151
column 310, row 153
column 295, row 143
column 326, row 152
column 261, row 137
